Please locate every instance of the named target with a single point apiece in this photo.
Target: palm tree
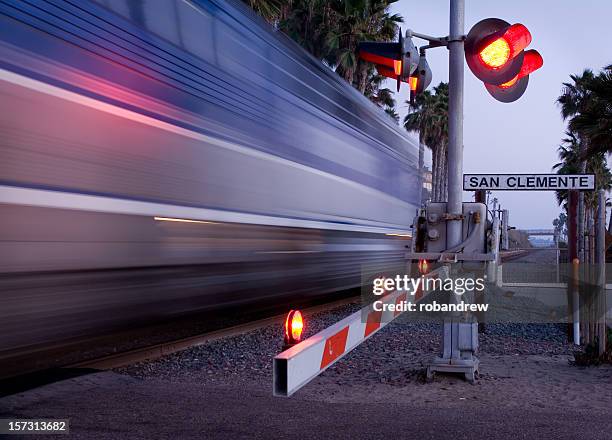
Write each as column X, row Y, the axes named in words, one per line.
column 587, row 103
column 355, row 21
column 379, row 95
column 594, row 121
column 569, row 153
column 393, row 114
column 270, row 10
column 560, row 225
column 418, row 121
column 429, row 117
column 307, row 22
column 331, row 31
column 575, row 95
column 573, row 101
column 572, row 161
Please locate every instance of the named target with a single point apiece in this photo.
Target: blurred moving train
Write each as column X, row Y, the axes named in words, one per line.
column 162, row 157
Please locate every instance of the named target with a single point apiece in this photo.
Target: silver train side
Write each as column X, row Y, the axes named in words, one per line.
column 161, row 158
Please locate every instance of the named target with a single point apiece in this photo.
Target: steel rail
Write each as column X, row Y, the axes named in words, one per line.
column 157, row 351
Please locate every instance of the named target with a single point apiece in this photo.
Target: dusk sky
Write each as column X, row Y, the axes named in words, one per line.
column 521, row 137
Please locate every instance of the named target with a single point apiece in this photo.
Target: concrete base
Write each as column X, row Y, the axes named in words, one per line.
column 468, row 367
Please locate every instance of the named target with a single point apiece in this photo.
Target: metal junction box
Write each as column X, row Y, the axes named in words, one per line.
column 474, row 222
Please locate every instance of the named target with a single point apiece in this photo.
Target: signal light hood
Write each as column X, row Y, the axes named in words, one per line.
column 494, row 50
column 515, row 88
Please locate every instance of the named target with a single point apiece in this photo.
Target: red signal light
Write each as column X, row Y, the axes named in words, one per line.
column 396, row 60
column 294, row 326
column 413, row 81
column 532, row 62
column 378, row 59
column 518, row 37
column 423, row 267
column 495, row 53
column 497, row 50
column 397, row 67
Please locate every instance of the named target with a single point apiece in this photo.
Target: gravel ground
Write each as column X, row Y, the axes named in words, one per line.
column 381, row 359
column 239, row 358
column 522, row 366
column 527, row 389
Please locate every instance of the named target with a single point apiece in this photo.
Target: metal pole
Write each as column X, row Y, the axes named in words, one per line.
column 505, row 226
column 572, row 255
column 581, row 254
column 459, row 339
column 575, row 283
column 421, row 168
column 556, row 237
column 600, row 260
column 581, row 209
column 455, row 121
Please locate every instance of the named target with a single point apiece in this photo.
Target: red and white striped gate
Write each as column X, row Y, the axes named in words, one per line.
column 295, row 367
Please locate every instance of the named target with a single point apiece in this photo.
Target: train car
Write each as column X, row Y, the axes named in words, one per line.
column 163, row 157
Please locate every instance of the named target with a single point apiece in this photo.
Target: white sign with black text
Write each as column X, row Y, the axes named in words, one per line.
column 528, row 182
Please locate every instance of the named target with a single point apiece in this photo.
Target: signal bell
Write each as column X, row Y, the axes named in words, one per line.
column 494, row 51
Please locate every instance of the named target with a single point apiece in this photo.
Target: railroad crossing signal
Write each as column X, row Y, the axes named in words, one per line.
column 495, row 53
column 421, row 78
column 393, row 60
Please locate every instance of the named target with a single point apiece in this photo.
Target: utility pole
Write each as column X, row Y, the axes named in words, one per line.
column 421, row 168
column 459, row 339
column 600, row 259
column 455, row 122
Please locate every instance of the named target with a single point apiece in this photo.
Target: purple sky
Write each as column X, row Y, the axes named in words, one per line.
column 521, row 137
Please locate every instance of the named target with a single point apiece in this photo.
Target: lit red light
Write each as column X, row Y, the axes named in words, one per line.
column 294, row 325
column 377, row 59
column 397, row 67
column 495, row 54
column 532, row 62
column 414, row 81
column 510, row 83
column 423, row 266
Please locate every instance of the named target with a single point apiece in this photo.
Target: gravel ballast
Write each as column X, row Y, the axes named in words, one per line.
column 396, row 355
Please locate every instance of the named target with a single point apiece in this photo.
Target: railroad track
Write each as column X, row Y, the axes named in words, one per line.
column 163, row 349
column 159, row 350
column 512, row 255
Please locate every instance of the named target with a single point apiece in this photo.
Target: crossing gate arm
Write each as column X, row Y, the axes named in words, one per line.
column 295, row 367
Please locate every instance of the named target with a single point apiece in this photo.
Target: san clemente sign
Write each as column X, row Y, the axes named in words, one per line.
column 528, row 182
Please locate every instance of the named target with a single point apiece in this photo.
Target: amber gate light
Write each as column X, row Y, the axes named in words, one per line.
column 423, row 267
column 294, row 326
